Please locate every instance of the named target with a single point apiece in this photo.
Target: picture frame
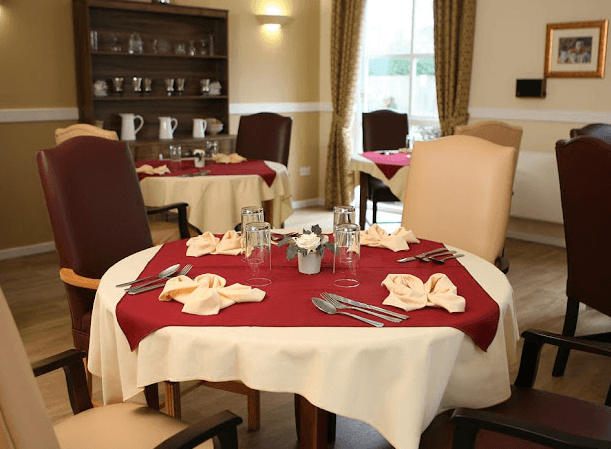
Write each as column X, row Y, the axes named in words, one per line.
column 576, row 49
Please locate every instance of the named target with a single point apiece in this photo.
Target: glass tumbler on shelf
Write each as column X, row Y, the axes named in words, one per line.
column 258, row 249
column 347, row 255
column 343, row 214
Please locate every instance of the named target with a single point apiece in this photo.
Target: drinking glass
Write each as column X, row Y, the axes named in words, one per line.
column 347, row 255
column 258, row 253
column 137, row 84
column 169, row 85
column 175, row 156
column 117, row 83
column 251, row 214
column 180, row 85
column 343, row 214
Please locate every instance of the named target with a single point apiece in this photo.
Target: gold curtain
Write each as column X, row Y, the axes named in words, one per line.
column 454, row 32
column 346, row 21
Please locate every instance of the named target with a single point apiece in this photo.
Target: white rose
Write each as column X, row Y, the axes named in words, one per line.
column 308, row 241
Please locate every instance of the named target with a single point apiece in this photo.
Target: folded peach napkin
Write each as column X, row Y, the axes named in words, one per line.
column 232, row 158
column 207, row 243
column 207, row 293
column 397, row 241
column 409, row 292
column 149, row 170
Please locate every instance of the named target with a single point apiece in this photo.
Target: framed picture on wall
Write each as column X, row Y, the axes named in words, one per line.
column 576, row 49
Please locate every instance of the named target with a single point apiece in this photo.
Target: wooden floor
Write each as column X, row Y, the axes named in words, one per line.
column 538, row 276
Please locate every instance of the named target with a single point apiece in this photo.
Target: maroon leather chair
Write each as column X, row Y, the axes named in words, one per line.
column 265, row 136
column 601, row 131
column 584, row 165
column 382, row 130
column 530, row 418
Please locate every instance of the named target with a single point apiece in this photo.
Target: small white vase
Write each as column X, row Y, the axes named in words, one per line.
column 309, row 264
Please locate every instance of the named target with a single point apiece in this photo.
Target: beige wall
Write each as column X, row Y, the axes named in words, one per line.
column 38, row 72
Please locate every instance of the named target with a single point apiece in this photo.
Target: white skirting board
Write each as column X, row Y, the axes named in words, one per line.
column 536, row 188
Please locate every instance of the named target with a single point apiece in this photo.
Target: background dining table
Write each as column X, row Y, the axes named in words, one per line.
column 391, row 170
column 397, row 379
column 215, row 200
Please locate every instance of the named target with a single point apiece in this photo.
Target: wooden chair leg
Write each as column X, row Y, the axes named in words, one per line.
column 151, row 393
column 172, row 399
column 570, row 324
column 254, row 410
column 89, row 379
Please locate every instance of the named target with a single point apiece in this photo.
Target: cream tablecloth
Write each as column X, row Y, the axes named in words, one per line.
column 396, row 183
column 395, row 379
column 215, row 201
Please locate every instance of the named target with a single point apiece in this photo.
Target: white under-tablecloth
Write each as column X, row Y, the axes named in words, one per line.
column 396, row 183
column 215, row 201
column 395, row 379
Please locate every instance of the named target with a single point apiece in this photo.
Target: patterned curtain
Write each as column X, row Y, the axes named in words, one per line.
column 346, row 21
column 454, row 32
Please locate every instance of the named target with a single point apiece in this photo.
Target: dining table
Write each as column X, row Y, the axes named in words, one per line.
column 390, row 167
column 396, row 378
column 216, row 192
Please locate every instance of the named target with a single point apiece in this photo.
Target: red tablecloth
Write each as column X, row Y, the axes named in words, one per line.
column 187, row 166
column 389, row 164
column 288, row 299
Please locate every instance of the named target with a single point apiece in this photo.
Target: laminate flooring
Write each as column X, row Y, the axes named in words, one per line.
column 537, row 275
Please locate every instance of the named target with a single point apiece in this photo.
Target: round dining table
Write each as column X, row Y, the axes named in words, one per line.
column 396, row 379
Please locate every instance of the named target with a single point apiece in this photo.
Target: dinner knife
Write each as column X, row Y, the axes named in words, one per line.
column 367, row 306
column 417, row 256
column 135, row 291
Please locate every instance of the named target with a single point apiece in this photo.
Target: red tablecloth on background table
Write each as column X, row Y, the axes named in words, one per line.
column 288, row 299
column 187, row 166
column 389, row 164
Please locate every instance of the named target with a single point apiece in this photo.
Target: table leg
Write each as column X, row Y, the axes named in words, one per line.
column 312, row 423
column 363, row 200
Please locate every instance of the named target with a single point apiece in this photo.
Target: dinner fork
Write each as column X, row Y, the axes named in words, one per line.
column 431, row 256
column 338, row 305
column 145, row 288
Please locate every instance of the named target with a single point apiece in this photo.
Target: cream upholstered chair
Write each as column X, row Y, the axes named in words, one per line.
column 25, row 424
column 494, row 131
column 162, row 230
column 83, row 129
column 458, row 192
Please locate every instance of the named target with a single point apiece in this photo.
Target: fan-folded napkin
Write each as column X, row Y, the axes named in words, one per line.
column 233, row 158
column 409, row 292
column 207, row 243
column 397, row 241
column 207, row 293
column 150, row 170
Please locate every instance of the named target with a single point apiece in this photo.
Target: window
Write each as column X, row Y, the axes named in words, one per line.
column 397, row 66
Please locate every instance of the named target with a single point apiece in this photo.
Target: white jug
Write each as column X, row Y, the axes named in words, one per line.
column 128, row 130
column 167, row 125
column 199, row 128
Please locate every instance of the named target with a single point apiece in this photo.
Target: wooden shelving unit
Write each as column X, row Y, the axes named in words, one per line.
column 166, row 31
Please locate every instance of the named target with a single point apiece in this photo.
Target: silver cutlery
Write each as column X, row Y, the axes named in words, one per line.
column 136, row 290
column 365, row 305
column 338, row 305
column 455, row 256
column 417, row 256
column 199, row 173
column 331, row 310
column 167, row 272
column 161, row 278
column 429, row 258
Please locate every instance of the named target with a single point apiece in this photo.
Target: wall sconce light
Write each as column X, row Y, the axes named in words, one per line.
column 275, row 20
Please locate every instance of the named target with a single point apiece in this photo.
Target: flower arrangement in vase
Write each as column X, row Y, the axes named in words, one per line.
column 308, row 247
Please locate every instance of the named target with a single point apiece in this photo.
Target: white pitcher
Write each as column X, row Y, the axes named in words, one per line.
column 199, row 128
column 167, row 125
column 128, row 129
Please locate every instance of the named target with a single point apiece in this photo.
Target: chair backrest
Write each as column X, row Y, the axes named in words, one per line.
column 458, row 192
column 584, row 164
column 601, row 131
column 494, row 131
column 24, row 422
column 265, row 136
column 83, row 129
column 384, row 130
column 96, row 211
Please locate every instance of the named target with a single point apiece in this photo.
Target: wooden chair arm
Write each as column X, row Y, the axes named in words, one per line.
column 469, row 421
column 71, row 278
column 221, row 425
